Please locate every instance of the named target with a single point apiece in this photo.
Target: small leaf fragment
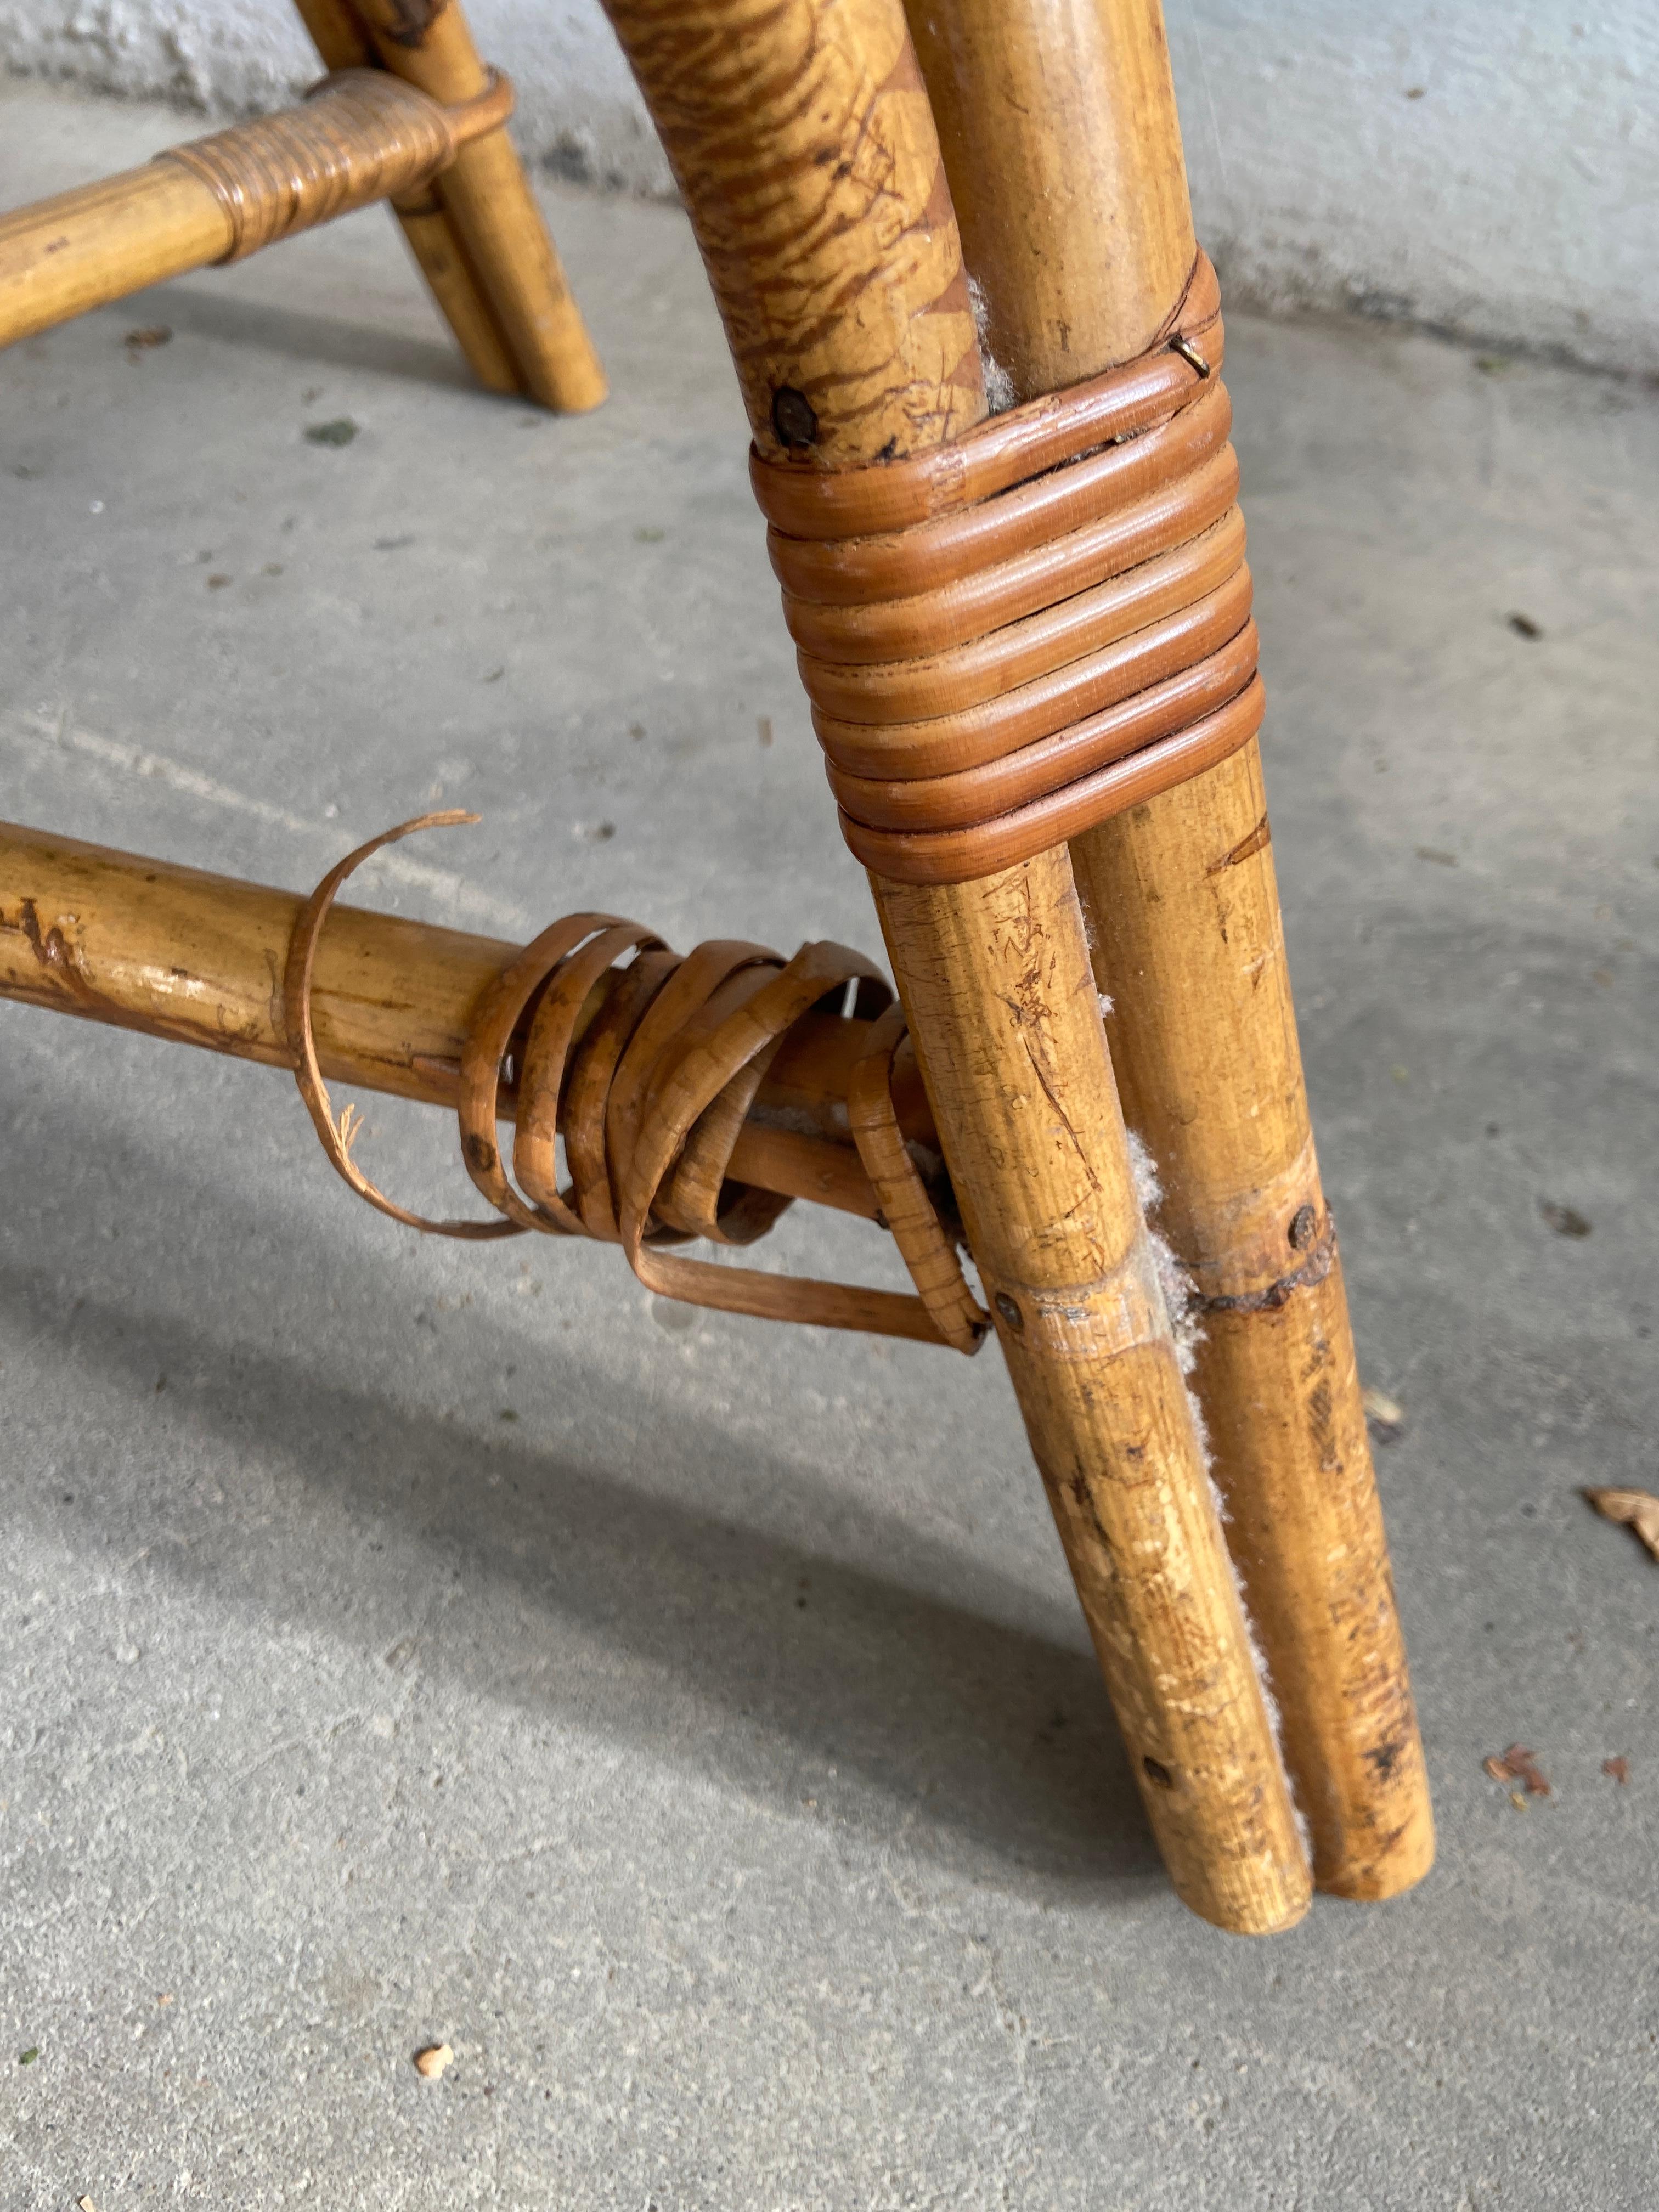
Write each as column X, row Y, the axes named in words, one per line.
column 1564, row 1220
column 430, row 2061
column 1636, row 1509
column 1384, row 1416
column 1518, row 1764
column 1618, row 1768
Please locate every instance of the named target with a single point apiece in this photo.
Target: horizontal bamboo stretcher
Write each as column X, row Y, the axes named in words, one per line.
column 693, row 1097
column 360, row 137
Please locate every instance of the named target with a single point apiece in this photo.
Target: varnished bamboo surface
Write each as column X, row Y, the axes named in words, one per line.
column 1063, row 149
column 81, row 249
column 803, row 143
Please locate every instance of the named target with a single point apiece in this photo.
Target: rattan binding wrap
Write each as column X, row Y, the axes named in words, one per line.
column 648, row 1097
column 361, row 136
column 1008, row 639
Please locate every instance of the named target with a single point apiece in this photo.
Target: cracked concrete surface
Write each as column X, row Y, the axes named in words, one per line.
column 691, row 1723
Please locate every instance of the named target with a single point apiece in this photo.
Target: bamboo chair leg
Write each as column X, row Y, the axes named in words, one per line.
column 1064, row 156
column 804, row 145
column 342, row 43
column 486, row 197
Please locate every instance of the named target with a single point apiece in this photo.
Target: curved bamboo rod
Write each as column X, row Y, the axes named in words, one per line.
column 1062, row 144
column 804, row 144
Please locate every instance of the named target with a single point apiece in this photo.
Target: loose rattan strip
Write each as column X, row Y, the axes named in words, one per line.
column 1009, row 639
column 362, row 135
column 649, row 1094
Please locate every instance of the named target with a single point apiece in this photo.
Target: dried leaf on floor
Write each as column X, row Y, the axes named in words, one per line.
column 1385, row 1417
column 1618, row 1768
column 430, row 2061
column 1639, row 1512
column 1518, row 1764
column 155, row 334
column 1564, row 1220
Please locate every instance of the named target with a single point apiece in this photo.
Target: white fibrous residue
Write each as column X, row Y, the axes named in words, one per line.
column 1179, row 1295
column 1000, row 392
column 1181, row 1298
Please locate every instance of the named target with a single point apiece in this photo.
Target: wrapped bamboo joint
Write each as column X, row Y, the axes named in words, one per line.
column 419, row 121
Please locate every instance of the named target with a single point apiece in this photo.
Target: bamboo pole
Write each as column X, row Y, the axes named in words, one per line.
column 197, row 959
column 342, row 43
column 1063, row 149
column 487, row 196
column 81, row 249
column 804, row 145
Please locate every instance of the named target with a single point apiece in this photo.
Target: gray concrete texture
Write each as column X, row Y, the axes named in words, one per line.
column 405, row 1641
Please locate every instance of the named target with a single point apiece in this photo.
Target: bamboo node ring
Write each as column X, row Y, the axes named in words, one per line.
column 1010, row 638
column 645, row 1073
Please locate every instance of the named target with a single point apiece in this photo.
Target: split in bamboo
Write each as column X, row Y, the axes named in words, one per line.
column 1063, row 154
column 804, row 145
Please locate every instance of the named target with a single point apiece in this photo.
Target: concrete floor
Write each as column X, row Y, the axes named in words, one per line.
column 405, row 1641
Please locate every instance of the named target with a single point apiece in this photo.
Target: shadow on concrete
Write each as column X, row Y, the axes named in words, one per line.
column 647, row 1619
column 323, row 341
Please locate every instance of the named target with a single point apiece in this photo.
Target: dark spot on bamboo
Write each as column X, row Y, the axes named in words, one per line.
column 1304, row 1227
column 1383, row 1757
column 1155, row 1770
column 794, row 420
column 1009, row 1309
column 406, row 22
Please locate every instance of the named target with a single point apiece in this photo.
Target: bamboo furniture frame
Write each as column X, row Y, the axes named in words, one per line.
column 409, row 113
column 842, row 182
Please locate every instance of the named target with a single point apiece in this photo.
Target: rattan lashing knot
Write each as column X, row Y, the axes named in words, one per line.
column 1010, row 638
column 361, row 134
column 648, row 1094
